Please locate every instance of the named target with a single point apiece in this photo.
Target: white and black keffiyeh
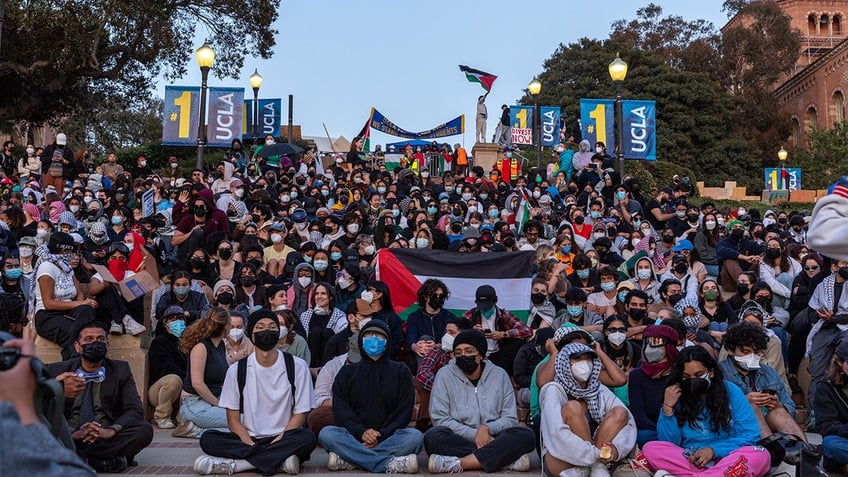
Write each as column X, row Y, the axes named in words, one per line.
column 591, row 393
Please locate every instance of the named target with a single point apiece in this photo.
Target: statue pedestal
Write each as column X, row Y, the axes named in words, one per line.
column 486, row 154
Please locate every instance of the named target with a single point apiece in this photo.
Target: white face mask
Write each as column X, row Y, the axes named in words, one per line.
column 41, row 233
column 281, row 307
column 343, row 284
column 30, row 150
column 142, row 163
column 276, row 238
column 710, row 224
column 301, row 225
column 87, row 199
column 239, row 193
column 635, row 241
column 599, row 150
column 268, row 142
column 129, row 246
column 283, row 332
column 25, row 252
column 447, row 342
column 353, row 228
column 421, row 243
column 74, row 208
column 617, row 338
column 581, row 370
column 304, row 281
column 536, row 194
column 236, row 334
column 364, row 322
column 367, row 296
column 598, row 235
column 369, row 250
column 748, row 361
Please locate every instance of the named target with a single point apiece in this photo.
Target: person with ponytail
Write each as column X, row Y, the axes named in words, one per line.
column 647, row 383
column 706, row 426
column 207, row 367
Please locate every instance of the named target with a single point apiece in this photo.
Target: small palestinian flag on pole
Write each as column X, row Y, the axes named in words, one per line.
column 522, row 215
column 365, row 133
column 510, row 273
column 477, row 76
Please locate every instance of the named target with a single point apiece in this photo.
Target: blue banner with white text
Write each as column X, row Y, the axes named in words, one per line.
column 598, row 119
column 550, row 125
column 453, row 127
column 225, row 116
column 270, row 118
column 640, row 129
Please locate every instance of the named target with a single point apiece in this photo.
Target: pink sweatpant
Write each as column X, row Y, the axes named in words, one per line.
column 748, row 461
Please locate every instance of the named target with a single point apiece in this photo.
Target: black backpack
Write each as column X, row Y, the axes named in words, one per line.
column 241, row 378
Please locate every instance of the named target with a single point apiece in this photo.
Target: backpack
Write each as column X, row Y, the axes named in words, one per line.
column 241, row 378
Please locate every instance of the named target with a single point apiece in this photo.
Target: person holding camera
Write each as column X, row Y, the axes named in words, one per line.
column 102, row 406
column 33, row 450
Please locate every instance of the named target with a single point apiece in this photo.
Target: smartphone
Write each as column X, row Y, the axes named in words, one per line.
column 770, row 391
column 486, row 331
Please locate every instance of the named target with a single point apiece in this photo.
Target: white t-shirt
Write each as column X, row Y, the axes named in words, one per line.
column 63, row 284
column 600, row 300
column 267, row 395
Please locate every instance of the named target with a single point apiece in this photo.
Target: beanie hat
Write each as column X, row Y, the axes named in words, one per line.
column 258, row 315
column 474, row 338
column 222, row 283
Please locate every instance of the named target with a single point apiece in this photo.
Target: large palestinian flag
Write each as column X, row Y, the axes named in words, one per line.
column 477, row 76
column 404, row 270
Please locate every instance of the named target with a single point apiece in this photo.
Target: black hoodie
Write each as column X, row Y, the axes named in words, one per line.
column 373, row 394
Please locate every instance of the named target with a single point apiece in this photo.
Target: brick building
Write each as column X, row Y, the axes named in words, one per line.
column 813, row 95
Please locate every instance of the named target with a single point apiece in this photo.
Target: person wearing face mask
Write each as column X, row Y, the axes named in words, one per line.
column 372, row 406
column 224, row 295
column 529, row 356
column 583, row 275
column 102, row 407
column 248, row 292
column 180, row 293
column 112, row 306
column 680, row 271
column 348, row 287
column 266, row 397
column 474, row 415
column 584, row 426
column 646, row 383
column 736, row 254
column 624, row 353
column 299, row 294
column 275, row 254
column 503, row 330
column 706, row 426
column 765, row 389
column 542, row 311
column 167, row 366
column 290, row 340
column 426, row 325
column 830, row 305
column 237, row 347
column 603, row 302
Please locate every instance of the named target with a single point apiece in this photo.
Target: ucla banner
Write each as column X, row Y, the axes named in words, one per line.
column 451, row 128
column 783, row 179
column 640, row 129
column 521, row 120
column 550, row 125
column 270, row 118
column 224, row 120
column 182, row 109
column 598, row 119
column 640, row 126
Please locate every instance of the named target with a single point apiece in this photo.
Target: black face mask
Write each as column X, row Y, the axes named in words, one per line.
column 579, row 220
column 200, row 211
column 537, row 298
column 737, row 234
column 266, row 340
column 772, row 253
column 255, row 262
column 743, row 288
column 196, row 263
column 248, row 280
column 225, row 298
column 436, row 303
column 843, row 272
column 225, row 253
column 681, row 268
column 468, row 364
column 764, row 301
column 255, row 218
column 612, row 231
column 456, row 228
column 675, row 299
column 94, row 352
column 781, row 220
column 693, row 218
column 638, row 314
column 697, row 386
column 668, row 238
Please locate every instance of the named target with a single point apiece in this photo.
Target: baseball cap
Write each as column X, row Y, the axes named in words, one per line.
column 485, row 293
column 683, row 245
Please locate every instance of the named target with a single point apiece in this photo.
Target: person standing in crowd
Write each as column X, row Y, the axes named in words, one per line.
column 480, row 129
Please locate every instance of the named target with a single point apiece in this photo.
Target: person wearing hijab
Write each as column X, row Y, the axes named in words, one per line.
column 646, row 384
column 577, row 442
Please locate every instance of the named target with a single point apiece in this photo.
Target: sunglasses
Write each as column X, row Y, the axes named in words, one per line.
column 809, row 269
column 617, row 330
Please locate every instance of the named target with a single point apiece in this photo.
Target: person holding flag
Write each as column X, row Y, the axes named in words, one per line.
column 485, row 80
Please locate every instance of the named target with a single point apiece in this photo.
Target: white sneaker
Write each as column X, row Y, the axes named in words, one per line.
column 443, row 464
column 116, row 329
column 186, row 429
column 291, row 466
column 133, row 327
column 599, row 469
column 663, row 473
column 522, row 464
column 575, row 472
column 165, row 423
column 335, row 462
column 207, row 465
column 405, row 464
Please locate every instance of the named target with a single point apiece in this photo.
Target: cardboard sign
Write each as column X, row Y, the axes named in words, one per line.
column 132, row 287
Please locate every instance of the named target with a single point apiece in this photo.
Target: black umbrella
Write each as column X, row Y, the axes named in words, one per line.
column 279, row 149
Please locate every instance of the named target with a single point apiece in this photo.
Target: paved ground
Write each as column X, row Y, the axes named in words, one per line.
column 173, row 456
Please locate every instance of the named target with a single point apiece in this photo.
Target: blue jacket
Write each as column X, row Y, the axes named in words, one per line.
column 744, row 430
column 729, row 249
column 765, row 378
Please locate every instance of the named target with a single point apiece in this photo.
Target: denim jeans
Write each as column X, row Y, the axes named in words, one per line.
column 203, row 415
column 712, row 270
column 835, row 450
column 402, row 442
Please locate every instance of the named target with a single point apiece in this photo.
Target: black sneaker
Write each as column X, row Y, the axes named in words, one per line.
column 794, row 385
column 114, row 465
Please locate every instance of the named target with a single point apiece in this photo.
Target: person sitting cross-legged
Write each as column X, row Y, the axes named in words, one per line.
column 472, row 406
column 372, row 406
column 266, row 409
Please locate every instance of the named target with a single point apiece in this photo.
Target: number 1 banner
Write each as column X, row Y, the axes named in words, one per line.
column 640, row 126
column 521, row 120
column 182, row 108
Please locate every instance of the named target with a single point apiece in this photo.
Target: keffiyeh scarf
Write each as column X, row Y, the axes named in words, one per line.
column 591, row 393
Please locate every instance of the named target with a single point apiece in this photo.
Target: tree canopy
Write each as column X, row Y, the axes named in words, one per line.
column 720, row 126
column 62, row 56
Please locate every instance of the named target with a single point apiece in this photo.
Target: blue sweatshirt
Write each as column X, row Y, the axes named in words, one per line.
column 744, row 430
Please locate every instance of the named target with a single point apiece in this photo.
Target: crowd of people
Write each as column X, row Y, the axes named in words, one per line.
column 663, row 335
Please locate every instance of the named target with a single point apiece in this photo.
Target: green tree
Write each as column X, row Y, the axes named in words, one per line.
column 117, row 124
column 823, row 162
column 61, row 56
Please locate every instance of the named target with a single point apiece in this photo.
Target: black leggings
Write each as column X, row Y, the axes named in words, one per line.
column 61, row 327
column 799, row 327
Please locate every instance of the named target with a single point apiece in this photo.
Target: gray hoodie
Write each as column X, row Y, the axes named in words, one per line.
column 461, row 407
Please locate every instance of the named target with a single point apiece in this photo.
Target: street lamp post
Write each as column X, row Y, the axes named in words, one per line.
column 781, row 156
column 205, row 58
column 535, row 87
column 618, row 71
column 255, row 83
